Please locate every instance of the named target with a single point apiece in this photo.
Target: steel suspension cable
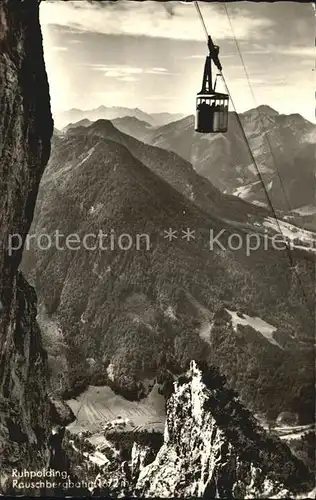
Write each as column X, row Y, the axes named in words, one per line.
column 259, row 113
column 270, row 202
column 243, row 131
column 310, row 309
column 288, row 249
column 257, row 168
column 201, row 18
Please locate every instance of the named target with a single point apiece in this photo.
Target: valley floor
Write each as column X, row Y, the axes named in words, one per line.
column 98, row 405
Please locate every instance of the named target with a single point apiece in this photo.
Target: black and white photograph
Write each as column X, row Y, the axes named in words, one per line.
column 157, row 251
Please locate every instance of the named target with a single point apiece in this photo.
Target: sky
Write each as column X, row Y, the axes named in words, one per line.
column 151, row 55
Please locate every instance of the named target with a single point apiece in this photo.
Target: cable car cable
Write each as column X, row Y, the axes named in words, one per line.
column 242, row 130
column 259, row 113
column 261, row 179
column 201, row 18
column 252, row 157
column 293, row 266
column 240, row 123
column 292, row 263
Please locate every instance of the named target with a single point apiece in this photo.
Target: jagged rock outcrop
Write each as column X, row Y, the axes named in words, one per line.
column 141, row 456
column 214, row 449
column 25, row 131
column 61, row 413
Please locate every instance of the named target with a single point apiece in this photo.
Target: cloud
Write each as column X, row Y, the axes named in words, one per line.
column 75, row 41
column 59, row 49
column 169, row 9
column 159, row 70
column 124, row 71
column 106, row 98
column 152, row 19
column 276, row 42
column 295, row 50
column 161, row 98
column 202, row 56
column 129, row 79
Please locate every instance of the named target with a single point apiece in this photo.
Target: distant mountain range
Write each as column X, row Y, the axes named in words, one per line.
column 283, row 147
column 175, row 170
column 129, row 123
column 182, row 177
column 126, row 316
column 111, row 113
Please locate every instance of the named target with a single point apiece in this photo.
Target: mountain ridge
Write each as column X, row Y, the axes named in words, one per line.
column 93, row 182
column 104, row 112
column 276, row 141
column 175, row 170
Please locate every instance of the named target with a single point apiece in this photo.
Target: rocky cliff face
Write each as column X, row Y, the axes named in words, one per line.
column 197, row 459
column 213, row 448
column 25, row 131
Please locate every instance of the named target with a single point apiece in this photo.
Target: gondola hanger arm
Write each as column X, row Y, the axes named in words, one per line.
column 213, row 49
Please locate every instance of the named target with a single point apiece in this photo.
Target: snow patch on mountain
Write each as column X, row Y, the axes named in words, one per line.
column 256, row 323
column 244, row 191
column 205, row 331
column 291, row 232
column 87, row 156
column 305, row 210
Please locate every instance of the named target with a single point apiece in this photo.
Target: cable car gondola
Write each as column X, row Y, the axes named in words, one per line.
column 206, row 123
column 211, row 106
